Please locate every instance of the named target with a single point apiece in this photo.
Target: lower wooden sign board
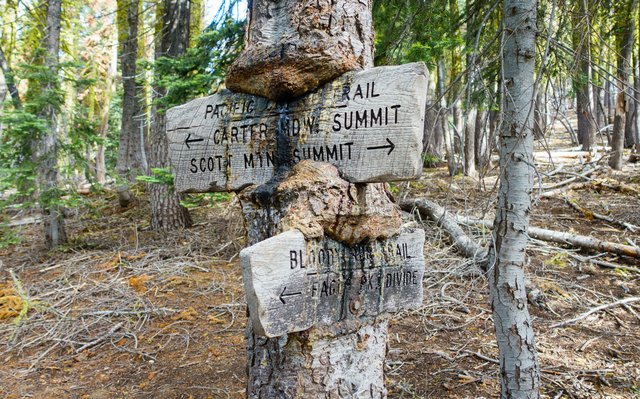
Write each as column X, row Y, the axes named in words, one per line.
column 293, row 284
column 369, row 124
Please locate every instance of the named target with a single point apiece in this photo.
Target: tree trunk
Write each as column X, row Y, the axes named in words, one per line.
column 538, row 121
column 582, row 80
column 444, row 120
column 634, row 130
column 433, row 135
column 519, row 369
column 625, row 30
column 172, row 40
column 47, row 151
column 344, row 360
column 481, row 144
column 9, row 80
column 341, row 361
column 469, row 164
column 130, row 161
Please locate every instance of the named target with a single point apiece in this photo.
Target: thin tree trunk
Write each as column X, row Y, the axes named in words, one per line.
column 634, row 130
column 469, row 164
column 444, row 120
column 52, row 216
column 625, row 29
column 433, row 136
column 538, row 123
column 130, row 162
column 519, row 369
column 481, row 141
column 172, row 40
column 9, row 80
column 582, row 80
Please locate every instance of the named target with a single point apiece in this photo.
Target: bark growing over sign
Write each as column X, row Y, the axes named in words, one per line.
column 343, row 360
column 367, row 123
column 316, row 201
column 293, row 46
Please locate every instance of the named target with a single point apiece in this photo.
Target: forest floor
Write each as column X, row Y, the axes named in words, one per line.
column 124, row 312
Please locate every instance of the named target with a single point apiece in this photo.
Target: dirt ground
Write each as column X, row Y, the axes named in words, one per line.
column 124, row 312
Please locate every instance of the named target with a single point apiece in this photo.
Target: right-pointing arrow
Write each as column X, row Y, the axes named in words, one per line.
column 390, row 146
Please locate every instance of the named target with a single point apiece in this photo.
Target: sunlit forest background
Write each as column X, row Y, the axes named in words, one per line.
column 114, row 285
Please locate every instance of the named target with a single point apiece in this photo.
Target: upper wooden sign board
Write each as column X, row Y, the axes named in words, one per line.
column 369, row 124
column 293, row 284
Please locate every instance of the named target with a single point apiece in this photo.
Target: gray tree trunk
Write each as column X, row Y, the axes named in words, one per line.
column 625, row 28
column 9, row 80
column 481, row 141
column 519, row 369
column 633, row 132
column 47, row 148
column 582, row 80
column 448, row 137
column 433, row 137
column 130, row 161
column 172, row 40
column 469, row 150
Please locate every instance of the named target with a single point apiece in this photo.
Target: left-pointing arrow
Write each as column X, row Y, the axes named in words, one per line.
column 190, row 140
column 283, row 295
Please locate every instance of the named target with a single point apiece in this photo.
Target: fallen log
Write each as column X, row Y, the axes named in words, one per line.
column 575, row 240
column 465, row 244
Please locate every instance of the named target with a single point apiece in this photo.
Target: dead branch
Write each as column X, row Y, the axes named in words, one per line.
column 560, row 190
column 605, row 264
column 429, row 209
column 588, row 214
column 583, row 242
column 583, row 176
column 100, row 339
column 594, row 310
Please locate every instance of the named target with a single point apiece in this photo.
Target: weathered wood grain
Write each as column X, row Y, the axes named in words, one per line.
column 293, row 284
column 369, row 124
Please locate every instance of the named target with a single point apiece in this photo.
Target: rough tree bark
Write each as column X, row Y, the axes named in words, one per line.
column 47, row 148
column 172, row 40
column 634, row 130
column 294, row 46
column 9, row 80
column 130, row 161
column 291, row 48
column 625, row 29
column 469, row 159
column 519, row 369
column 433, row 134
column 582, row 79
column 341, row 361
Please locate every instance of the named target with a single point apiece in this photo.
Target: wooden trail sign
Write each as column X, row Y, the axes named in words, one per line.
column 293, row 284
column 369, row 124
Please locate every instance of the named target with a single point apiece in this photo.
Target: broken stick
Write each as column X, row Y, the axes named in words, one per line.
column 465, row 244
column 594, row 310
